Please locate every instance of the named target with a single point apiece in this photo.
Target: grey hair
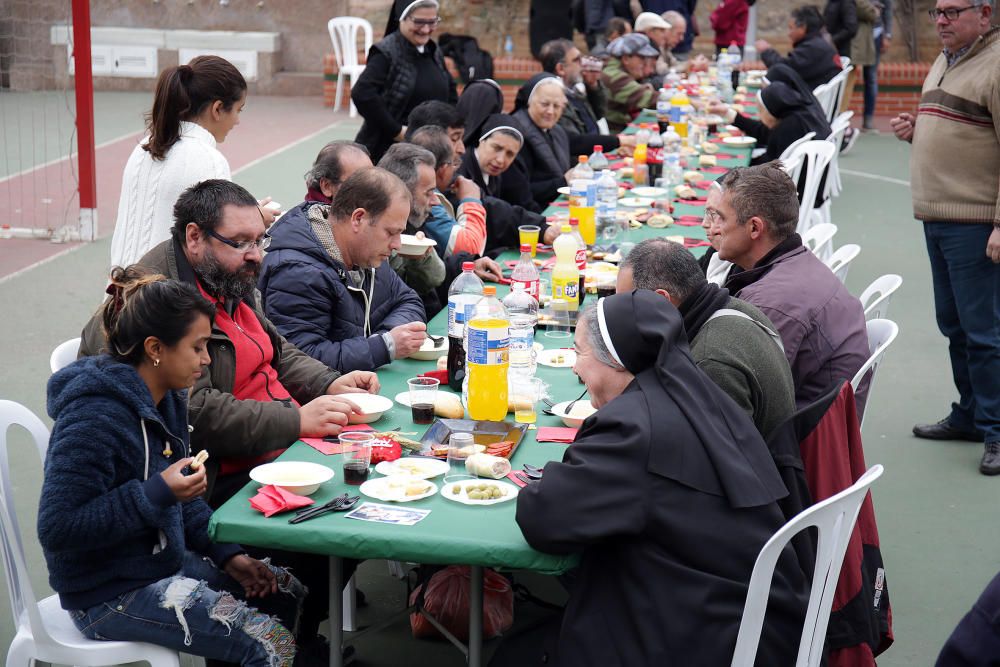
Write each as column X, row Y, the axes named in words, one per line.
column 435, row 139
column 403, row 160
column 588, row 321
column 327, row 164
column 673, row 17
column 657, row 263
column 981, row 3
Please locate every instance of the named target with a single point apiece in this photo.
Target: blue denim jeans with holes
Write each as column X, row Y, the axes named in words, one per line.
column 201, row 611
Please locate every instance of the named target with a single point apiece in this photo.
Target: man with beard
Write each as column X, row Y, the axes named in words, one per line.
column 260, row 393
column 325, row 282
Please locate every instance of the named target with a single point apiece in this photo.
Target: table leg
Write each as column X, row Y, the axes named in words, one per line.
column 475, row 616
column 336, row 611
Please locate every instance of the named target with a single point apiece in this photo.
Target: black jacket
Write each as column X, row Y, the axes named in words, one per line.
column 814, row 58
column 797, row 116
column 841, row 17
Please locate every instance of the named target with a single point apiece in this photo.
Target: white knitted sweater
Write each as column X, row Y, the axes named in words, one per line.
column 151, row 187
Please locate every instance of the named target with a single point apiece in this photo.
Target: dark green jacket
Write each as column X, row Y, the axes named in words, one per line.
column 626, row 96
column 224, row 425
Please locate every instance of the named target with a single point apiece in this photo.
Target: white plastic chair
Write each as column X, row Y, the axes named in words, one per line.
column 834, row 518
column 819, row 240
column 816, row 157
column 344, row 35
column 64, row 354
column 881, row 333
column 792, row 166
column 825, row 94
column 845, row 62
column 838, row 128
column 840, row 261
column 45, row 631
column 842, row 91
column 876, row 297
column 788, row 152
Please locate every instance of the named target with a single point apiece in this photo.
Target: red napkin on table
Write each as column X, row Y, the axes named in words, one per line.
column 715, row 170
column 517, row 480
column 695, row 243
column 688, row 221
column 691, row 202
column 616, row 165
column 703, row 185
column 560, row 203
column 441, row 376
column 725, row 156
column 328, row 448
column 555, row 434
column 273, row 500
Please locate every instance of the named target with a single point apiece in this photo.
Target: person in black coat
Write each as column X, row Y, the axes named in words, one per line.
column 668, row 493
column 841, row 18
column 480, row 99
column 542, row 166
column 788, row 111
column 404, row 69
column 812, row 55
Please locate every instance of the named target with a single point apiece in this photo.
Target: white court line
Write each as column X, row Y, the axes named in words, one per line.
column 876, row 177
column 41, row 262
column 277, row 151
column 25, row 172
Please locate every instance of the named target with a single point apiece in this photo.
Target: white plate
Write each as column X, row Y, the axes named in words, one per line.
column 742, row 142
column 564, row 190
column 447, row 491
column 393, row 489
column 403, row 398
column 297, row 477
column 371, row 406
column 413, row 245
column 636, row 202
column 413, row 466
column 548, row 358
column 428, row 352
column 559, row 410
column 646, row 191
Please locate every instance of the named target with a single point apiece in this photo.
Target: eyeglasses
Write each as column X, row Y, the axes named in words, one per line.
column 424, row 23
column 712, row 216
column 951, row 13
column 242, row 246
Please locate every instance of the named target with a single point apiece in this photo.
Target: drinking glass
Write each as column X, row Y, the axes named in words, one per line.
column 527, row 392
column 356, row 464
column 423, row 392
column 456, row 458
column 561, row 325
column 529, row 234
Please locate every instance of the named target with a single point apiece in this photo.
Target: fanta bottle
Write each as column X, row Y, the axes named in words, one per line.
column 488, row 349
column 565, row 274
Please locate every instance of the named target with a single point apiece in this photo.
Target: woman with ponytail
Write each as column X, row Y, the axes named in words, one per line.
column 121, row 520
column 195, row 106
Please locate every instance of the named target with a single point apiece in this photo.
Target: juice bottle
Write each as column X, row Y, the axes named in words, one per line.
column 581, row 256
column 565, row 274
column 488, row 350
column 639, row 169
column 582, row 206
column 679, row 105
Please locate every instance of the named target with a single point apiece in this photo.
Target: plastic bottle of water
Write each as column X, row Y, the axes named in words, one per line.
column 598, row 161
column 463, row 295
column 488, row 358
column 525, row 274
column 582, row 169
column 508, row 46
column 654, row 157
column 725, row 75
column 522, row 309
column 663, row 110
column 735, row 60
column 642, row 136
column 607, row 206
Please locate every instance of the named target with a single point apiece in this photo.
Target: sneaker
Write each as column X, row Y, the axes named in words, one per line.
column 990, row 465
column 943, row 430
column 849, row 138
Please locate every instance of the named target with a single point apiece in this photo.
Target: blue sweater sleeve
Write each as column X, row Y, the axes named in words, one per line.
column 406, row 304
column 196, row 515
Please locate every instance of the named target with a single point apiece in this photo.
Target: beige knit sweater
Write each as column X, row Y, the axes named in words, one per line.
column 955, row 163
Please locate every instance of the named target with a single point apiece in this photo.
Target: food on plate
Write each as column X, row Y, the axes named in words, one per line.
column 634, row 224
column 706, row 161
column 442, row 363
column 385, row 449
column 582, row 409
column 448, row 406
column 465, row 452
column 501, row 449
column 709, row 148
column 625, row 172
column 393, row 436
column 417, row 488
column 487, row 465
column 439, row 449
column 692, row 176
column 685, row 192
column 485, row 491
column 660, row 221
column 403, row 487
column 199, row 459
column 688, row 151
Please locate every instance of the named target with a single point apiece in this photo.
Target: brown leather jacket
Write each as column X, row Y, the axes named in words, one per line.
column 224, row 425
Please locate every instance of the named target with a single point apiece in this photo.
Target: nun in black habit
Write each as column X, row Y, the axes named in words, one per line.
column 544, row 159
column 480, row 99
column 668, row 494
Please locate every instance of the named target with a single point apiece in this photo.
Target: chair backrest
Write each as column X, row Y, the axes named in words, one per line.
column 838, row 128
column 881, row 333
column 792, row 166
column 842, row 91
column 824, row 94
column 845, row 62
column 787, row 153
column 64, row 354
column 840, row 261
column 816, row 156
column 819, row 239
column 876, row 297
column 344, row 35
column 834, row 520
column 23, row 602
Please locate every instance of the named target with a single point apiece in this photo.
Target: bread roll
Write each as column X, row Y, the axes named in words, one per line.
column 709, row 148
column 485, row 465
column 448, row 406
column 660, row 221
column 706, row 161
column 692, row 176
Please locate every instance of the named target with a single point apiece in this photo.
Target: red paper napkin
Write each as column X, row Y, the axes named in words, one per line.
column 562, row 204
column 725, row 156
column 688, row 221
column 703, row 185
column 441, row 376
column 328, row 448
column 691, row 202
column 517, row 480
column 555, row 434
column 715, row 170
column 695, row 243
column 273, row 500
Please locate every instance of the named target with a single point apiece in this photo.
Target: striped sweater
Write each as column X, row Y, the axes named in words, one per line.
column 955, row 163
column 626, row 96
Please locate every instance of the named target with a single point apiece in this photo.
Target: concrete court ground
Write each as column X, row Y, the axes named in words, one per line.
column 935, row 511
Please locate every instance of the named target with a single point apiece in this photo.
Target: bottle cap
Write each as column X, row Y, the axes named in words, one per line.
column 573, row 222
column 468, row 266
column 490, row 290
column 583, row 158
column 565, row 229
column 525, row 247
column 598, row 149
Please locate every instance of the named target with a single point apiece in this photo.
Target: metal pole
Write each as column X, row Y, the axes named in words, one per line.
column 84, row 85
column 336, row 611
column 749, row 51
column 475, row 616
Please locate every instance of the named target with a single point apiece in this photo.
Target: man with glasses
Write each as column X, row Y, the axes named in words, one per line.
column 954, row 171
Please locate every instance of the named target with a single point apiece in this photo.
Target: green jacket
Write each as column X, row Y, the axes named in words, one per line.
column 222, row 424
column 626, row 96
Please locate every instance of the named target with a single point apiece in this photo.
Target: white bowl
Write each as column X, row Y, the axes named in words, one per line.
column 428, row 352
column 370, row 406
column 741, row 142
column 413, row 245
column 297, row 477
column 581, row 410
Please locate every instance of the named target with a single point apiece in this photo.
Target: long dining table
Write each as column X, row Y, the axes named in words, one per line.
column 452, row 533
